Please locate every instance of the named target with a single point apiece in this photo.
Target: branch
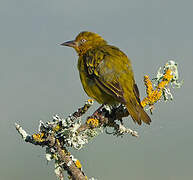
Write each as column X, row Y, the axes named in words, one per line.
column 63, row 159
column 61, row 133
column 58, row 135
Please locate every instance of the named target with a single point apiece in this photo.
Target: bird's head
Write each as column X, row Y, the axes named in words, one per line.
column 85, row 41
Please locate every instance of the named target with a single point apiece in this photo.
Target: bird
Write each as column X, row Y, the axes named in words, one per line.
column 106, row 74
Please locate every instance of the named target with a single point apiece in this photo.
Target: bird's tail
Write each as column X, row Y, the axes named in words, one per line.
column 137, row 112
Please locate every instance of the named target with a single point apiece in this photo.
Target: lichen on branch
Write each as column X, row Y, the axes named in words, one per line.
column 61, row 134
column 169, row 76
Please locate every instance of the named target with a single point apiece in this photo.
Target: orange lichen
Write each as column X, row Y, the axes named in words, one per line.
column 56, row 128
column 38, row 137
column 90, row 101
column 78, row 164
column 93, row 122
column 69, row 177
column 154, row 95
column 148, row 84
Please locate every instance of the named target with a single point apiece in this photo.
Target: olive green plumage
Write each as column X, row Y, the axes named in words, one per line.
column 106, row 74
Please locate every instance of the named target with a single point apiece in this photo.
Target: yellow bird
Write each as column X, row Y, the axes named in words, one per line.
column 106, row 74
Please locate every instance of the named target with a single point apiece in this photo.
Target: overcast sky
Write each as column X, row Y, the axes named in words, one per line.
column 39, row 78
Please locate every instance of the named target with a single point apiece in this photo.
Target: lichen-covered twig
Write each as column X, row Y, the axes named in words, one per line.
column 56, row 151
column 60, row 133
column 162, row 81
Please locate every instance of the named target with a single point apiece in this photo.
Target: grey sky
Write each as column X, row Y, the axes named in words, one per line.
column 39, row 78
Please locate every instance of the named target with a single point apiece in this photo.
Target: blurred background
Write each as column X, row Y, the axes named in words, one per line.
column 39, row 78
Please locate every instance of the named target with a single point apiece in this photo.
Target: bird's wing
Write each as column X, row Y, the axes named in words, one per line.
column 111, row 88
column 109, row 67
column 136, row 92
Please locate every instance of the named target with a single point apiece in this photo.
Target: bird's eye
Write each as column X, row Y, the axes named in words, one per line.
column 83, row 40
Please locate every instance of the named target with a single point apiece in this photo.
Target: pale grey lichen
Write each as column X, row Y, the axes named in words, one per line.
column 122, row 130
column 49, row 154
column 69, row 163
column 68, row 132
column 78, row 140
column 172, row 65
column 22, row 132
column 58, row 170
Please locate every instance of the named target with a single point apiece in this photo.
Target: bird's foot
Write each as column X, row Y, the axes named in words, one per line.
column 98, row 112
column 96, row 116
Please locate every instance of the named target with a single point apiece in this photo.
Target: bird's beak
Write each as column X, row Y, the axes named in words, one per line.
column 69, row 43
